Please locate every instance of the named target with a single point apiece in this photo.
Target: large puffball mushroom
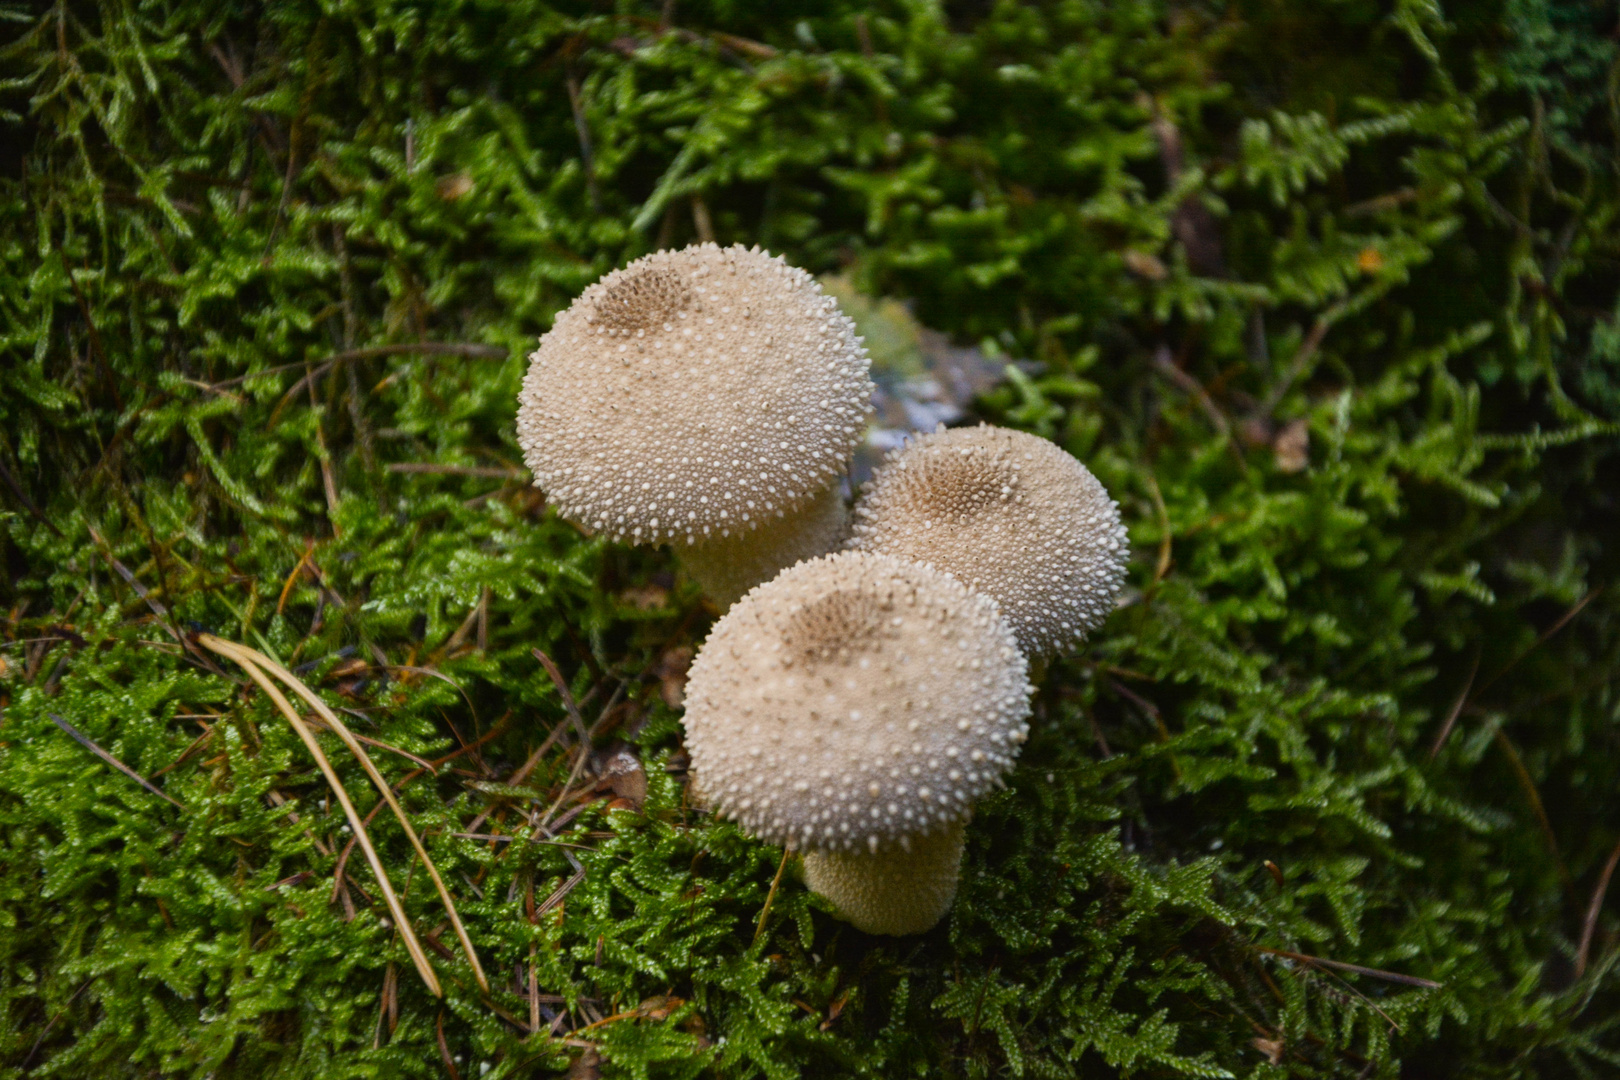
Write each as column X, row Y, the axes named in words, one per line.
column 697, row 397
column 1008, row 514
column 854, row 707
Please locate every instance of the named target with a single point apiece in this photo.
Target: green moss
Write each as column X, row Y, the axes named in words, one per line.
column 231, row 238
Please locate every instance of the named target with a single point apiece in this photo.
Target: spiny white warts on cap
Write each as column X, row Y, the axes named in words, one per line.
column 854, row 702
column 1011, row 516
column 892, row 892
column 693, row 395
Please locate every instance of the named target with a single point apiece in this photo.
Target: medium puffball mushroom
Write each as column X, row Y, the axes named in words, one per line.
column 854, row 707
column 1008, row 514
column 698, row 397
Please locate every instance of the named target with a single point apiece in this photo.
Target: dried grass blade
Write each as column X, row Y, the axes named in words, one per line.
column 1456, row 711
column 557, row 897
column 1528, row 784
column 1593, row 909
column 248, row 659
column 158, row 609
column 406, row 754
column 444, row 1048
column 342, row 731
column 563, row 692
column 487, row 472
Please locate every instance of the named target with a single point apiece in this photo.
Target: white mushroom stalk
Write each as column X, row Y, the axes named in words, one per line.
column 1011, row 516
column 728, row 567
column 855, row 707
column 698, row 397
column 900, row 891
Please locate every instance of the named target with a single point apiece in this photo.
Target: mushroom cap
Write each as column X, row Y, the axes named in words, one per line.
column 691, row 394
column 853, row 702
column 1009, row 515
column 892, row 892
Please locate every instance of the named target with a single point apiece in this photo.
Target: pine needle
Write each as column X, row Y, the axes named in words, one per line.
column 248, row 659
column 85, row 741
column 342, row 731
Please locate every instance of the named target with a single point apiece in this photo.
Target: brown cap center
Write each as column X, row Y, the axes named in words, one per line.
column 833, row 627
column 642, row 300
column 959, row 486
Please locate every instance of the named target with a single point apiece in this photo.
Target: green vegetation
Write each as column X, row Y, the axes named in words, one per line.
column 1327, row 294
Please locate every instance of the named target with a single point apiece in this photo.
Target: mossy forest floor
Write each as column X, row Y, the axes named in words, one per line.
column 1325, row 293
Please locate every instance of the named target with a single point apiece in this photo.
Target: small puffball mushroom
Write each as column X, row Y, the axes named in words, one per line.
column 696, row 397
column 855, row 706
column 1008, row 514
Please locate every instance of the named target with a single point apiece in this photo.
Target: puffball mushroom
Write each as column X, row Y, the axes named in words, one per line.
column 854, row 707
column 699, row 397
column 1009, row 515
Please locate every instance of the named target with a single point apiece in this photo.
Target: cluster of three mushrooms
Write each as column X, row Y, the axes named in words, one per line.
column 855, row 705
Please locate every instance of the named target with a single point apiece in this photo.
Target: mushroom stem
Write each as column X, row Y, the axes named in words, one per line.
column 725, row 568
column 894, row 891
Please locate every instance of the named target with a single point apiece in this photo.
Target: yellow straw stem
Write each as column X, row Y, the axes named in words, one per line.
column 249, row 660
column 349, row 740
column 387, row 790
